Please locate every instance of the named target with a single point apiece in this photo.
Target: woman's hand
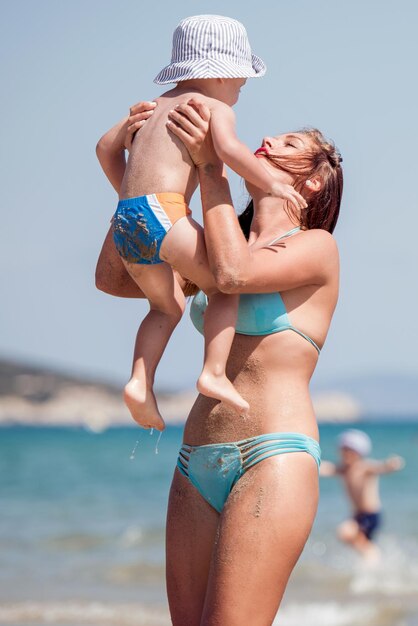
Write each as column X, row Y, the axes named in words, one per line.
column 138, row 115
column 190, row 122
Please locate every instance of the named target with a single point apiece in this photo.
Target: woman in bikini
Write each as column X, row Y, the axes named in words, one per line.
column 245, row 490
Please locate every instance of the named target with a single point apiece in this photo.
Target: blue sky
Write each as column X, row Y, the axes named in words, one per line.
column 70, row 70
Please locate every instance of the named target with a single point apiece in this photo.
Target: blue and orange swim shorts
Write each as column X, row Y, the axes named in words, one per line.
column 140, row 225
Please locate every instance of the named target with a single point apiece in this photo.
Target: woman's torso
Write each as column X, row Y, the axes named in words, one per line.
column 272, row 372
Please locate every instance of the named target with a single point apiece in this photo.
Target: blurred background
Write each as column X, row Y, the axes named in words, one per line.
column 81, row 523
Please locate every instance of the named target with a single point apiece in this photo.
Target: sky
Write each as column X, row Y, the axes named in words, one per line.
column 70, row 70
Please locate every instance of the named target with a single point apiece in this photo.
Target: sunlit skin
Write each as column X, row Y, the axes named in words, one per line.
column 158, row 162
column 230, row 89
column 288, row 143
column 360, row 477
column 233, row 568
column 220, row 567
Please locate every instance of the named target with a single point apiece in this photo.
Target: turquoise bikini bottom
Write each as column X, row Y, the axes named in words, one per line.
column 215, row 468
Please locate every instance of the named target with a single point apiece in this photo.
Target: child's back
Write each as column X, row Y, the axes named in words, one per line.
column 158, row 161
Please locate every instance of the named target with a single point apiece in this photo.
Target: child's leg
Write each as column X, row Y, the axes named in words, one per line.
column 220, row 320
column 184, row 249
column 350, row 533
column 167, row 303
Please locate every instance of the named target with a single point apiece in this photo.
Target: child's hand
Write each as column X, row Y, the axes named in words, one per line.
column 395, row 463
column 138, row 115
column 289, row 193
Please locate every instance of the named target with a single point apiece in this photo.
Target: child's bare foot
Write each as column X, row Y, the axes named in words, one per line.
column 220, row 388
column 142, row 404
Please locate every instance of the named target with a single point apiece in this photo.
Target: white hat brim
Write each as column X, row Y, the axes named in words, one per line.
column 356, row 440
column 210, row 68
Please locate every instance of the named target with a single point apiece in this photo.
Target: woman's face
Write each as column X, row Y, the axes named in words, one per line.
column 280, row 145
column 290, row 143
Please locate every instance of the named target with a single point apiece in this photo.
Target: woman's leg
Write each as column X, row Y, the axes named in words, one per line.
column 263, row 529
column 167, row 303
column 191, row 530
column 184, row 249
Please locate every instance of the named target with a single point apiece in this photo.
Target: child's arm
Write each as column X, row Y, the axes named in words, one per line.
column 110, row 151
column 389, row 465
column 327, row 469
column 111, row 147
column 240, row 158
column 111, row 276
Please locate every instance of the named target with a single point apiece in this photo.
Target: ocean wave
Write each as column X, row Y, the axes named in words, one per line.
column 83, row 613
column 74, row 542
column 138, row 573
column 396, row 574
column 99, row 614
column 339, row 614
column 133, row 536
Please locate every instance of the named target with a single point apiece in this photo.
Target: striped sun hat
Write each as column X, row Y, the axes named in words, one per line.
column 210, row 46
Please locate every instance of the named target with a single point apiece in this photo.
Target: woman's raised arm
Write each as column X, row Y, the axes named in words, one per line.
column 226, row 245
column 236, row 267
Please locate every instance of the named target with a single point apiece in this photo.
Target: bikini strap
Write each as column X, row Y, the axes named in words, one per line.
column 288, row 234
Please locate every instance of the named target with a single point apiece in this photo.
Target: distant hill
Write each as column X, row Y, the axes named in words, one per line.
column 384, row 396
column 44, row 396
column 40, row 384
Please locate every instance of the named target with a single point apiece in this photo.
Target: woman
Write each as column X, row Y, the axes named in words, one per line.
column 245, row 492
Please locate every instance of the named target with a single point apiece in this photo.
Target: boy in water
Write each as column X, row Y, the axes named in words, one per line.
column 152, row 228
column 361, row 481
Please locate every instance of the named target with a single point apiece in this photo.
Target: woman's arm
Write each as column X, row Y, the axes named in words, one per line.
column 304, row 260
column 111, row 276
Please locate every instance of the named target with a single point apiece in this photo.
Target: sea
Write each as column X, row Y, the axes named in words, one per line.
column 82, row 517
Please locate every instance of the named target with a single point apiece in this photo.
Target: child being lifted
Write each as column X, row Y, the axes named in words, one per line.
column 152, row 228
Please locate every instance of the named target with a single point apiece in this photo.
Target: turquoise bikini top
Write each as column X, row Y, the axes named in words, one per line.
column 258, row 313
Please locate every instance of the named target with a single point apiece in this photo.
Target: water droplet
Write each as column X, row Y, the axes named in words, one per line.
column 151, row 432
column 134, row 450
column 158, row 441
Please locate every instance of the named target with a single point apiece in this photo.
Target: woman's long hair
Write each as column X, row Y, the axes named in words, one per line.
column 320, row 159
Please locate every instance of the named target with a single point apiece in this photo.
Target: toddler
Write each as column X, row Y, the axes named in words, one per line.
column 152, row 228
column 361, row 480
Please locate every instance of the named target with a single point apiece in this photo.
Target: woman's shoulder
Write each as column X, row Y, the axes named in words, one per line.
column 322, row 240
column 320, row 249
